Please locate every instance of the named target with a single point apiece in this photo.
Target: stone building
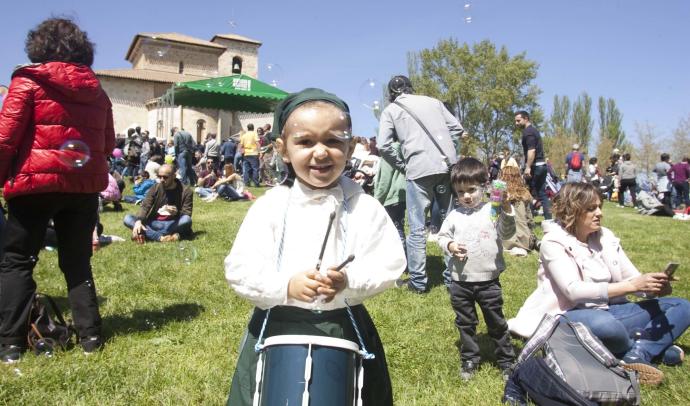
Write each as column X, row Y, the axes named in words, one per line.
column 159, row 60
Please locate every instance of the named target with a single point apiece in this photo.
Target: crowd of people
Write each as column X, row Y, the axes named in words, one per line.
column 320, row 175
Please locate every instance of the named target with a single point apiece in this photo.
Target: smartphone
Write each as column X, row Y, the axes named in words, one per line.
column 671, row 269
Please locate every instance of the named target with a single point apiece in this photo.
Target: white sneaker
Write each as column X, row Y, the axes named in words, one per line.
column 518, row 252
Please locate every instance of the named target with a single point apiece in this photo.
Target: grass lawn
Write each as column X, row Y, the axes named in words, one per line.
column 173, row 328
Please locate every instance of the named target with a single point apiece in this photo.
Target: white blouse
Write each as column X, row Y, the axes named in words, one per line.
column 299, row 217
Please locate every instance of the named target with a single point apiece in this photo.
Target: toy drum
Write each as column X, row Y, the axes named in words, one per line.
column 308, row 370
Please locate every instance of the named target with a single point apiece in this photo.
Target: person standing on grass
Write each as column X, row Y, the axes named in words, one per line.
column 472, row 239
column 627, row 174
column 427, row 151
column 166, row 212
column 290, row 293
column 680, row 176
column 184, row 154
column 55, row 101
column 535, row 164
column 574, row 162
column 249, row 142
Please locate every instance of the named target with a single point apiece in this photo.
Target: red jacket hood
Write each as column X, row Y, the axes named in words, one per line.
column 76, row 82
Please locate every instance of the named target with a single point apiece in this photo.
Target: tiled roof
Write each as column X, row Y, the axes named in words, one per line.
column 236, row 38
column 171, row 37
column 148, row 75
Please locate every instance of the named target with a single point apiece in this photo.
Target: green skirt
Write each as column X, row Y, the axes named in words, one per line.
column 285, row 320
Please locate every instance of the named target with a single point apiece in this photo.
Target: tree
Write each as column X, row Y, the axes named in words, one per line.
column 647, row 152
column 582, row 122
column 610, row 122
column 560, row 116
column 481, row 85
column 680, row 144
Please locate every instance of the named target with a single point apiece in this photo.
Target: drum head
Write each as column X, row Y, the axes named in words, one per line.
column 314, row 340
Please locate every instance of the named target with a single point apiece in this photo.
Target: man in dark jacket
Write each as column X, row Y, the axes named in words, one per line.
column 166, row 212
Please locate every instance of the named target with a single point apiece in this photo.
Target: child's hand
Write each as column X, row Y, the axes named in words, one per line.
column 458, row 250
column 303, row 286
column 505, row 204
column 333, row 283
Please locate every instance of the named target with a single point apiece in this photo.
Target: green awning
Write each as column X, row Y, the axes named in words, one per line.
column 234, row 93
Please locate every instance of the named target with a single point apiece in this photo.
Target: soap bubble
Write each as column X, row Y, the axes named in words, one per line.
column 370, row 94
column 273, row 74
column 468, row 20
column 468, row 6
column 277, row 169
column 186, row 252
column 74, row 153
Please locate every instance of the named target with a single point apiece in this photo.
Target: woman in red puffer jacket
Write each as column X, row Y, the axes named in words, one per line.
column 56, row 131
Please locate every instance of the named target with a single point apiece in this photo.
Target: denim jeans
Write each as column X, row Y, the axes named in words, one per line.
column 657, row 321
column 184, row 166
column 538, row 188
column 157, row 228
column 574, row 176
column 681, row 194
column 251, row 170
column 203, row 191
column 237, row 162
column 229, row 193
column 419, row 195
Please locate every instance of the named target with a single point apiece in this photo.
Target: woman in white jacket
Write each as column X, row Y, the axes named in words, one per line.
column 585, row 275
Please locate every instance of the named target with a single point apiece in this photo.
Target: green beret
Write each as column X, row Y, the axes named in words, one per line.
column 294, row 100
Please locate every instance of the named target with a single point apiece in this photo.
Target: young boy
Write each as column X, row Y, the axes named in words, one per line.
column 282, row 280
column 473, row 241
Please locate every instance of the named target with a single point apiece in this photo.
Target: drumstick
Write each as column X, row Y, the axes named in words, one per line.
column 347, row 261
column 325, row 240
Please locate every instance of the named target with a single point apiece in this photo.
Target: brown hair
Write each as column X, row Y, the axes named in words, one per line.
column 228, row 167
column 59, row 40
column 517, row 190
column 573, row 201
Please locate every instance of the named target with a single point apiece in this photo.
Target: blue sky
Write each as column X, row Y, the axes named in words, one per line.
column 637, row 52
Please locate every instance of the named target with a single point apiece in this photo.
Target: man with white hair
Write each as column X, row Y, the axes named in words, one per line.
column 574, row 162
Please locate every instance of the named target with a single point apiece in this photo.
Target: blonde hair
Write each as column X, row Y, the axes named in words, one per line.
column 517, row 190
column 573, row 201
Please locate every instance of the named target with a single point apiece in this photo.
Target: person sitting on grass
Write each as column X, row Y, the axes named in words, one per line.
column 142, row 184
column 229, row 187
column 471, row 235
column 314, row 129
column 207, row 178
column 166, row 212
column 524, row 240
column 585, row 275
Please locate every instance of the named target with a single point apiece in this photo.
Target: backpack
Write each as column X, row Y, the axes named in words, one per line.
column 576, row 161
column 48, row 330
column 576, row 369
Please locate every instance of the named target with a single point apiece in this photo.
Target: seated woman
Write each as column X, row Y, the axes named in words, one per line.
column 585, row 275
column 524, row 240
column 230, row 187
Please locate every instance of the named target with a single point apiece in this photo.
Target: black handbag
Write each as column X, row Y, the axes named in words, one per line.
column 48, row 330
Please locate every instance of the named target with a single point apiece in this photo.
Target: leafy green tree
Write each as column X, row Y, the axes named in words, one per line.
column 560, row 116
column 582, row 122
column 610, row 122
column 483, row 86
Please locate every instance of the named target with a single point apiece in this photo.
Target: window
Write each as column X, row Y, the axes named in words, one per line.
column 180, row 67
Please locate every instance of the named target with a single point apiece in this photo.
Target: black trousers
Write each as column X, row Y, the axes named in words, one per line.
column 74, row 216
column 463, row 296
column 627, row 184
